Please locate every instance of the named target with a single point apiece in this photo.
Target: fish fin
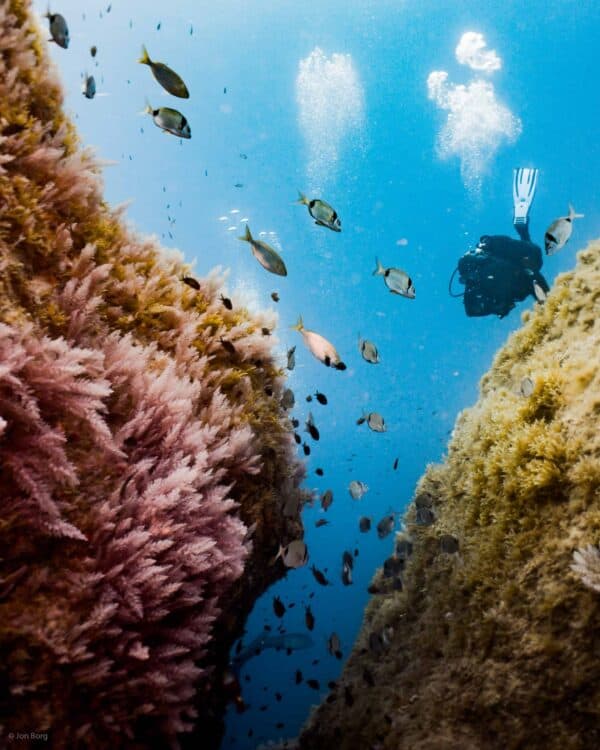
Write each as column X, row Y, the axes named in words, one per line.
column 145, row 58
column 147, row 109
column 247, row 235
column 302, row 199
column 299, row 325
column 277, row 556
column 379, row 269
column 573, row 214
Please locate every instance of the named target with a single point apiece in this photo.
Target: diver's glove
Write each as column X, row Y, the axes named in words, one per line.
column 524, row 184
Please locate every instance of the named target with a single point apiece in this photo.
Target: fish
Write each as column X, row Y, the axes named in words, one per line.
column 88, row 88
column 539, row 293
column 265, row 331
column 319, row 576
column 314, row 684
column 309, row 618
column 357, row 489
column 424, row 517
column 268, row 258
column 319, row 347
column 448, row 544
column 287, row 641
column 306, row 449
column 323, row 214
column 59, row 31
column 334, row 646
column 295, row 422
column 239, row 185
column 319, row 472
column 291, row 358
column 228, row 346
column 347, row 559
column 298, row 677
column 374, row 420
column 287, row 399
column 243, row 156
column 321, row 398
column 294, row 554
column 326, row 499
column 364, row 524
column 278, row 607
column 93, row 50
column 526, row 387
column 404, row 547
column 311, row 428
column 274, row 296
column 368, row 351
column 376, row 644
column 559, row 232
column 309, row 398
column 395, row 464
column 191, row 282
column 167, row 78
column 227, row 304
column 346, row 575
column 367, row 676
column 393, row 566
column 321, row 522
column 297, row 438
column 396, row 280
column 169, row 120
column 385, row 526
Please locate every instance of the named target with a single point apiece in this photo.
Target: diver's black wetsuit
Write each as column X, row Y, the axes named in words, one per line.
column 499, row 272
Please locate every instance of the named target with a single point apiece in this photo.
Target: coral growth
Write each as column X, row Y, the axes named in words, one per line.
column 494, row 640
column 135, row 450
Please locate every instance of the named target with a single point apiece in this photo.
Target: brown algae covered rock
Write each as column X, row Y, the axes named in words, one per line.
column 493, row 640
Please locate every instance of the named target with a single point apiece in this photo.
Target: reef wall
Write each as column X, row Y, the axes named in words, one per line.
column 145, row 468
column 495, row 644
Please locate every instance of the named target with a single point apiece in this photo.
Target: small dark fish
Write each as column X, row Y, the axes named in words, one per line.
column 309, row 399
column 278, row 607
column 368, row 677
column 393, row 566
column 278, row 697
column 314, row 684
column 265, row 331
column 319, row 576
column 291, row 358
column 295, row 423
column 326, row 499
column 424, row 517
column 364, row 524
column 239, row 185
column 190, row 281
column 306, row 449
column 226, row 303
column 93, row 50
column 243, row 156
column 225, row 89
column 269, row 390
column 88, row 88
column 340, row 366
column 158, row 25
column 298, row 677
column 385, row 526
column 311, row 428
column 404, row 548
column 376, row 644
column 321, row 522
column 279, row 725
column 319, row 472
column 361, row 420
column 297, row 438
column 448, row 544
column 274, row 296
column 347, row 559
column 309, row 618
column 395, row 464
column 59, row 31
column 228, row 346
column 321, row 398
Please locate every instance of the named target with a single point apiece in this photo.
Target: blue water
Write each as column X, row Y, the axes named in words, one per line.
column 389, row 183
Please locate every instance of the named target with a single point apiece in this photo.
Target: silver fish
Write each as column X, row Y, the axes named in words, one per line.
column 287, row 399
column 376, row 422
column 323, row 214
column 170, row 120
column 558, row 233
column 167, row 78
column 539, row 293
column 291, row 358
column 265, row 254
column 319, row 347
column 357, row 489
column 346, row 575
column 326, row 499
column 59, row 31
column 385, row 526
column 369, row 351
column 88, row 88
column 294, row 554
column 526, row 387
column 334, row 645
column 397, row 281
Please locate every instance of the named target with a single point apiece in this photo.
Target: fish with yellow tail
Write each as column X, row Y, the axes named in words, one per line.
column 323, row 214
column 169, row 120
column 319, row 347
column 396, row 280
column 167, row 78
column 559, row 232
column 265, row 254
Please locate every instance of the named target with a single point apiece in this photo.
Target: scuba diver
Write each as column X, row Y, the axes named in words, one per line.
column 501, row 271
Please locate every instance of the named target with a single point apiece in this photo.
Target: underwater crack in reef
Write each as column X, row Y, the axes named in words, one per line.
column 145, row 467
column 493, row 641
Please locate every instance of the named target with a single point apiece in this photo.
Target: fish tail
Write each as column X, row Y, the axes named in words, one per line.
column 147, row 109
column 379, row 269
column 145, row 58
column 247, row 235
column 299, row 325
column 302, row 199
column 277, row 556
column 573, row 214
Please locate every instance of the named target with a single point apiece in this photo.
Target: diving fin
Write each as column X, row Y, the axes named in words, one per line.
column 524, row 184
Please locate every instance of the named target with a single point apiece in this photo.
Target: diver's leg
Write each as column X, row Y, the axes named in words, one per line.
column 523, row 231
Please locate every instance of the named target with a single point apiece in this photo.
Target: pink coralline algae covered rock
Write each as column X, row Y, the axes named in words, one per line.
column 135, row 450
